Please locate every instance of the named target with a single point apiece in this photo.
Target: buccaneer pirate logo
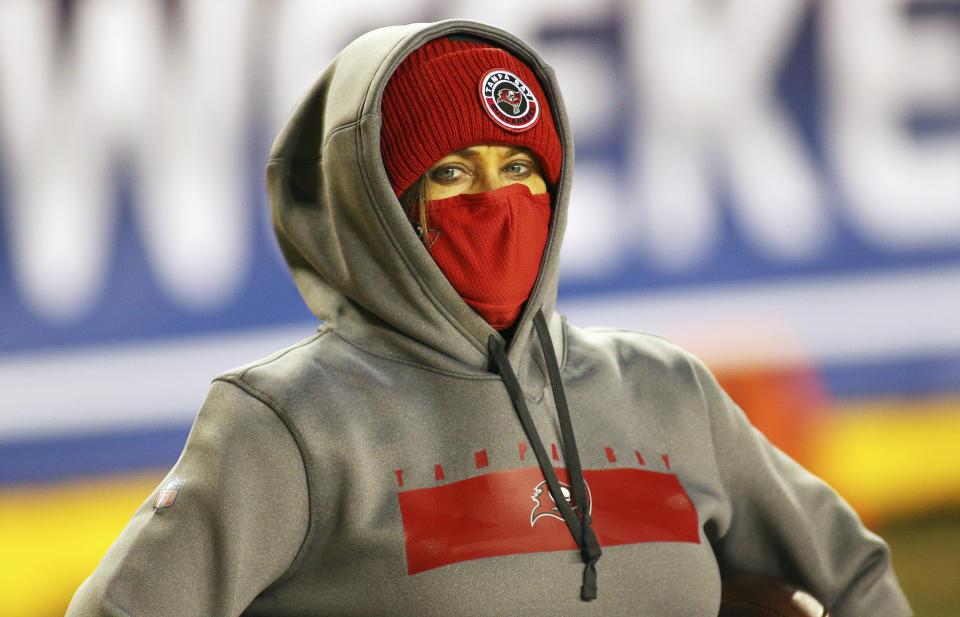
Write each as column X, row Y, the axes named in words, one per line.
column 547, row 506
column 509, row 101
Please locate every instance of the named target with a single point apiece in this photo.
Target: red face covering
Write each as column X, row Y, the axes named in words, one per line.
column 489, row 247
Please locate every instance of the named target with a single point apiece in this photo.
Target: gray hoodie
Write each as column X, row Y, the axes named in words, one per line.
column 379, row 467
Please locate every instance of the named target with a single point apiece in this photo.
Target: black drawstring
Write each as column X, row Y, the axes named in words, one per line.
column 589, row 546
column 579, row 527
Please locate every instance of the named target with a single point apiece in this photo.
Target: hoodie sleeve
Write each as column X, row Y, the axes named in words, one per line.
column 783, row 521
column 235, row 527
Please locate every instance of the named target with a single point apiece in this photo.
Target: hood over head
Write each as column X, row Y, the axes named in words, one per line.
column 355, row 258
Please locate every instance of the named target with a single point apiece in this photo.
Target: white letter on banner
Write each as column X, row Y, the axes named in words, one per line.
column 591, row 244
column 56, row 158
column 195, row 198
column 903, row 190
column 67, row 118
column 708, row 77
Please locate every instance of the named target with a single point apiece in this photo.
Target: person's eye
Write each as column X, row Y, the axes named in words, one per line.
column 447, row 174
column 519, row 168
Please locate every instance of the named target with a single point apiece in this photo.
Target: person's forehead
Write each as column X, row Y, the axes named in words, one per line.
column 481, row 149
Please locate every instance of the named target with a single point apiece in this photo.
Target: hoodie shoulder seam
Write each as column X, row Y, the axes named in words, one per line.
column 243, row 370
column 639, row 333
column 298, row 439
column 419, row 365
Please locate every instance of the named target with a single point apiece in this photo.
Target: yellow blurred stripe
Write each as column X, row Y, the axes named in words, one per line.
column 53, row 536
column 892, row 458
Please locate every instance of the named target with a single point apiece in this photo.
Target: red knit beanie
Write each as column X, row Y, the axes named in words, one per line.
column 451, row 94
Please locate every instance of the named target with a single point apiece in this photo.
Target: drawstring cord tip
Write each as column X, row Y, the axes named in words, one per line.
column 588, row 591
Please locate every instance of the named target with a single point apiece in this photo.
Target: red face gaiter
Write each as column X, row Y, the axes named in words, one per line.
column 489, row 247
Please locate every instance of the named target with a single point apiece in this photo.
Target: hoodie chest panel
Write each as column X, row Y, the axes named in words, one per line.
column 400, row 444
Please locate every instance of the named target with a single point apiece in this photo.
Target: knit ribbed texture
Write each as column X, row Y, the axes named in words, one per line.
column 489, row 246
column 432, row 107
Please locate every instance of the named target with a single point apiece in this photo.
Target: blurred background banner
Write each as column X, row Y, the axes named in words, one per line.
column 773, row 185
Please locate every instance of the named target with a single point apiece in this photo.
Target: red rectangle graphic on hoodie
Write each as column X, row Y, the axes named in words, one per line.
column 510, row 512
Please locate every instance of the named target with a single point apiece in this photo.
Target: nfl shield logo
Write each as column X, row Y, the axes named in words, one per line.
column 167, row 495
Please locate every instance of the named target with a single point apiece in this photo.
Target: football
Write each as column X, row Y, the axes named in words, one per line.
column 756, row 596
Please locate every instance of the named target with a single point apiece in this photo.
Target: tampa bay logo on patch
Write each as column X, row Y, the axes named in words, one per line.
column 168, row 495
column 509, row 101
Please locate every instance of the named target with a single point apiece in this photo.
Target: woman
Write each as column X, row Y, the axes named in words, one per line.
column 446, row 443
